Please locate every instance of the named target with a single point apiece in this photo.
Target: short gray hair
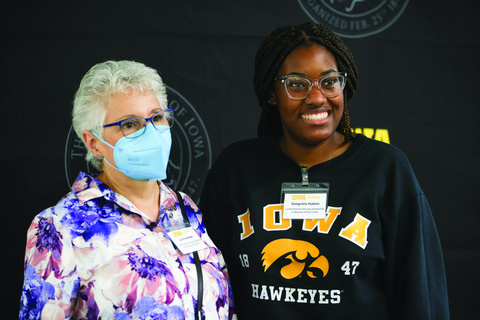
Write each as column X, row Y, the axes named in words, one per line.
column 99, row 85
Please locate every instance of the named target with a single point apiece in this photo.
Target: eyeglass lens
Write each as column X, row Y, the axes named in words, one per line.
column 299, row 87
column 137, row 125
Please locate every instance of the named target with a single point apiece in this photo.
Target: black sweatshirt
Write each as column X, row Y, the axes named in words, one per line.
column 376, row 255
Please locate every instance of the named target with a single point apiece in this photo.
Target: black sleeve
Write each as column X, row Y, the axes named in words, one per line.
column 415, row 272
column 215, row 207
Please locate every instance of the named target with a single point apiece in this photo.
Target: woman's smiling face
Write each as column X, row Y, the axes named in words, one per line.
column 313, row 119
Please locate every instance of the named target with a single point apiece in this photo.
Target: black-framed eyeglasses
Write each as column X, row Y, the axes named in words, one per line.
column 298, row 87
column 134, row 127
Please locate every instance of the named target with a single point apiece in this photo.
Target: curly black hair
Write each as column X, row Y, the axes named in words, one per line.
column 273, row 52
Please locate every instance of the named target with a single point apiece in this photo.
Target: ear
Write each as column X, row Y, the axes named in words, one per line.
column 272, row 99
column 90, row 141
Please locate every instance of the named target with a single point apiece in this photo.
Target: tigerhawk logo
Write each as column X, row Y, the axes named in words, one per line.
column 297, row 257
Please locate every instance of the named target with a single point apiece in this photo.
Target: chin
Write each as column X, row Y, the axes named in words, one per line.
column 320, row 136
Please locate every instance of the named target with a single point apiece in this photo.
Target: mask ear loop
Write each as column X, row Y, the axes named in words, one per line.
column 101, row 139
column 100, row 157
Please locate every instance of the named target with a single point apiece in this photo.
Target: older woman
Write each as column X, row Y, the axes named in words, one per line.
column 315, row 221
column 115, row 246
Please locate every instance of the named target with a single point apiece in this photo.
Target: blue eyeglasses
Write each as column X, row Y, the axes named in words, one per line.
column 134, row 127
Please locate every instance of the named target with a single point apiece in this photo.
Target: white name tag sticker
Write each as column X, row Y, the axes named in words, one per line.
column 305, row 206
column 187, row 240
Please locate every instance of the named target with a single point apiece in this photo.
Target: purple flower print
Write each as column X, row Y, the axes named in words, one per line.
column 147, row 309
column 48, row 237
column 49, row 247
column 153, row 271
column 192, row 213
column 35, row 295
column 84, row 219
column 146, row 266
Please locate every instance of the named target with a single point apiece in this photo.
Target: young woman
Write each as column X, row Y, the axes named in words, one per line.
column 316, row 222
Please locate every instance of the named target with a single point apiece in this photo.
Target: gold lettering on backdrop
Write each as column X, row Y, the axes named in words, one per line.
column 377, row 134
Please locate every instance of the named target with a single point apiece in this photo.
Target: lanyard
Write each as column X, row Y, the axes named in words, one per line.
column 305, row 200
column 199, row 315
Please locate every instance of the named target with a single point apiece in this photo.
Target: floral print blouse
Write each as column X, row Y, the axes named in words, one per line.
column 95, row 256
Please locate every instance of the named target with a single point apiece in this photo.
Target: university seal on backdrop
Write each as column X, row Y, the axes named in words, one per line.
column 190, row 157
column 354, row 18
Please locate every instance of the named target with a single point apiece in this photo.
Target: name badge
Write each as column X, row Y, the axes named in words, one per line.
column 187, row 240
column 305, row 202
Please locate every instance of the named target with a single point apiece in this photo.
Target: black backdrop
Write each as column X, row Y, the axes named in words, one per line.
column 418, row 64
